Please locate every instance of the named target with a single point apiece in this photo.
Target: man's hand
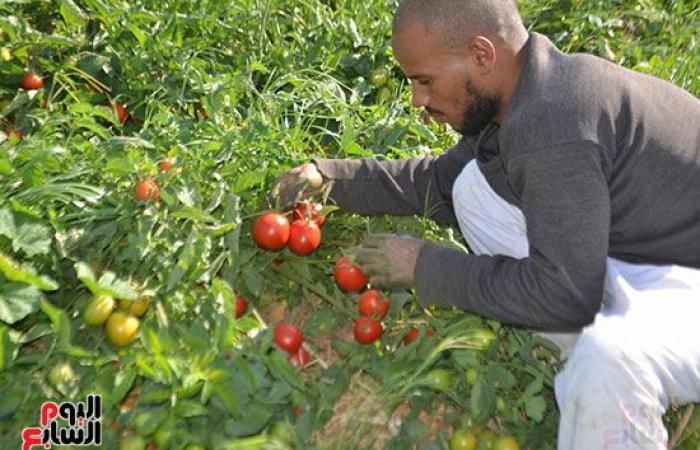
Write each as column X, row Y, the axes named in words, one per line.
column 299, row 182
column 389, row 260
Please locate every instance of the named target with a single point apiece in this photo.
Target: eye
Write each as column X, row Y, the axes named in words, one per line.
column 424, row 81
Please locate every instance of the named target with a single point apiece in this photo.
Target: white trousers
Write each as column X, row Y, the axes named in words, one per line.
column 641, row 353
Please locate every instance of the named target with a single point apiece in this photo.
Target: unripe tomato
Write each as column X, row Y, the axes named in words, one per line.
column 61, row 374
column 439, row 379
column 379, row 78
column 500, row 404
column 195, row 447
column 304, row 237
column 384, row 94
column 31, row 81
column 483, row 338
column 163, row 435
column 410, row 336
column 271, row 230
column 471, row 375
column 121, row 112
column 506, row 443
column 283, row 432
column 5, row 54
column 367, row 330
column 463, row 440
column 486, row 440
column 134, row 308
column 300, row 359
column 98, row 310
column 133, row 442
column 287, row 337
column 121, row 329
column 349, row 276
column 241, row 306
column 373, row 305
column 307, row 210
column 146, row 189
column 166, row 164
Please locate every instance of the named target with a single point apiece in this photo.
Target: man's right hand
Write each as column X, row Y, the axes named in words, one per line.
column 301, row 181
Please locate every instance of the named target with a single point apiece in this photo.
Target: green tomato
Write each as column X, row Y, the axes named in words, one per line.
column 145, row 423
column 500, row 404
column 98, row 310
column 384, row 95
column 134, row 442
column 284, row 432
column 486, row 440
column 439, row 379
column 506, row 443
column 471, row 375
column 195, row 447
column 483, row 338
column 162, row 436
column 463, row 440
column 379, row 78
column 61, row 374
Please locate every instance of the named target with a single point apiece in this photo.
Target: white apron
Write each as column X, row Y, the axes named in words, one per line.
column 642, row 352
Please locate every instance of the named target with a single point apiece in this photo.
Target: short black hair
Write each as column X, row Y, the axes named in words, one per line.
column 455, row 22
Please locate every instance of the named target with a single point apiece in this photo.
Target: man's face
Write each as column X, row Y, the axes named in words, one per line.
column 443, row 82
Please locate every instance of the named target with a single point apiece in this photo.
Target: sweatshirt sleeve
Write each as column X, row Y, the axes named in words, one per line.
column 559, row 286
column 398, row 187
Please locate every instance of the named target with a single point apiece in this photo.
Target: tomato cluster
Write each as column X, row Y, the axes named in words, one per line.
column 146, row 190
column 272, row 230
column 120, row 326
column 473, row 438
column 290, row 338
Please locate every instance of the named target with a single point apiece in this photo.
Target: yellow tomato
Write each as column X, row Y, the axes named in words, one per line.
column 121, row 329
column 98, row 310
column 134, row 308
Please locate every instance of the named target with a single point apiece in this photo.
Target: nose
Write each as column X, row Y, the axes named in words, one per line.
column 419, row 97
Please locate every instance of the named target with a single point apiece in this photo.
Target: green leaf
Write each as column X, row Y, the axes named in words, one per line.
column 72, row 14
column 123, row 382
column 535, row 408
column 11, row 397
column 17, row 301
column 483, row 401
column 59, row 322
column 27, row 235
column 194, row 214
column 499, row 377
column 120, row 166
column 253, row 421
column 7, row 348
column 25, row 274
column 108, row 284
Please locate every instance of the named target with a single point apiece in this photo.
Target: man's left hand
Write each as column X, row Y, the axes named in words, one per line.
column 389, row 260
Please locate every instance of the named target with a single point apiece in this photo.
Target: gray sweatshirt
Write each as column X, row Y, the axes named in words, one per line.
column 601, row 160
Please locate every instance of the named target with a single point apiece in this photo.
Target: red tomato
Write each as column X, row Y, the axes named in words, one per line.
column 31, row 81
column 287, row 337
column 241, row 306
column 367, row 330
column 309, row 211
column 122, row 114
column 373, row 305
column 348, row 276
column 166, row 164
column 271, row 230
column 300, row 359
column 410, row 336
column 304, row 237
column 146, row 189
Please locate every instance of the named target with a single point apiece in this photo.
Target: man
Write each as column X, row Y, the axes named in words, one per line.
column 577, row 185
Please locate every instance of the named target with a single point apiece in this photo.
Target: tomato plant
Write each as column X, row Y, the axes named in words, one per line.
column 121, row 329
column 287, row 337
column 271, row 230
column 367, row 330
column 373, row 305
column 31, row 81
column 98, row 310
column 146, row 190
column 348, row 276
column 304, row 237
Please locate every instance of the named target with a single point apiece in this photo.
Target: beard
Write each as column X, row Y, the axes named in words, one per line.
column 482, row 109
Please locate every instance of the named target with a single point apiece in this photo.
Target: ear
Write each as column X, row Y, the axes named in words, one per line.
column 482, row 53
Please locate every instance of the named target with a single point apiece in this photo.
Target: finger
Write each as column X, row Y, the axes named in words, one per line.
column 375, row 269
column 368, row 255
column 377, row 240
column 379, row 281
